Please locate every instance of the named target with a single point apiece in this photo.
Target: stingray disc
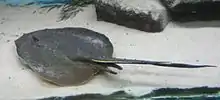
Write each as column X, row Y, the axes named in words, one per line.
column 47, row 53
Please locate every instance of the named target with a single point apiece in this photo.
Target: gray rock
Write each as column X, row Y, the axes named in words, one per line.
column 144, row 15
column 192, row 10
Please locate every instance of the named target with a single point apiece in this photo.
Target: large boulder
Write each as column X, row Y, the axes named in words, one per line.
column 192, row 10
column 144, row 15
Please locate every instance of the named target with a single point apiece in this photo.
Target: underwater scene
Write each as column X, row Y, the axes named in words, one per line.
column 109, row 50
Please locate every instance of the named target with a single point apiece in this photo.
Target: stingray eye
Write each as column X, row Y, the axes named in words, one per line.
column 35, row 39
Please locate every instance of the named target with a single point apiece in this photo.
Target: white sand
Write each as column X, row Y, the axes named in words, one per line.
column 176, row 43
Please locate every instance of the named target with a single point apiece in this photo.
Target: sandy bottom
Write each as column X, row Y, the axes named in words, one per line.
column 197, row 42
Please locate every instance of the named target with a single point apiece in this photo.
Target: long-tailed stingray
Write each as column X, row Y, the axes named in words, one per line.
column 73, row 56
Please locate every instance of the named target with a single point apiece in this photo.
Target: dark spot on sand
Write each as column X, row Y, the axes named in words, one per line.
column 131, row 44
column 34, row 12
column 3, row 18
column 2, row 33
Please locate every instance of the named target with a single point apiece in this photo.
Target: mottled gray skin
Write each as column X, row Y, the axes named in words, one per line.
column 82, row 42
column 46, row 52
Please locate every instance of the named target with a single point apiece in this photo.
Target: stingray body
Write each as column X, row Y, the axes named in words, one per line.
column 72, row 56
column 50, row 52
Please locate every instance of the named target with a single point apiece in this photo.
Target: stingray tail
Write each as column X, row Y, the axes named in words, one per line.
column 156, row 63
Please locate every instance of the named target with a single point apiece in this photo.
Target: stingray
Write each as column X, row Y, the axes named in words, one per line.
column 73, row 56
